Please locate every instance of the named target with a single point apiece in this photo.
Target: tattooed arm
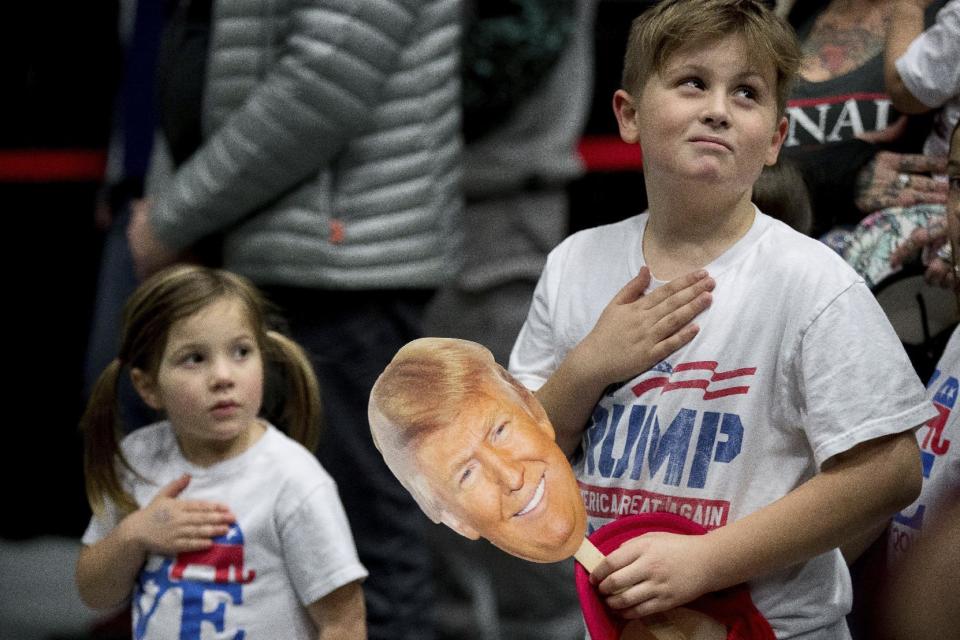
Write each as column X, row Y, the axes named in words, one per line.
column 850, row 179
column 900, row 180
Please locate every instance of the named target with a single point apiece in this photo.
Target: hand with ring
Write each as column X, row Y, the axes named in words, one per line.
column 900, row 180
column 941, row 269
column 936, row 254
column 945, row 253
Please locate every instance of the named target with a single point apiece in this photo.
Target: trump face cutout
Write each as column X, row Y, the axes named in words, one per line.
column 476, row 449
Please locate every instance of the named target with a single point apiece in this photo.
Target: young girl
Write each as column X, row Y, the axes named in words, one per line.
column 215, row 522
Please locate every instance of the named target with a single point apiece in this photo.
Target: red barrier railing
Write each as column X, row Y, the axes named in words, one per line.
column 52, row 165
column 599, row 153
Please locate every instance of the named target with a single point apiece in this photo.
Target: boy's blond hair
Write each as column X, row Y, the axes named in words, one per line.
column 660, row 31
column 423, row 390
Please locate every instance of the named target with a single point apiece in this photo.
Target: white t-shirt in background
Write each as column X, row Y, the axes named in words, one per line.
column 930, row 70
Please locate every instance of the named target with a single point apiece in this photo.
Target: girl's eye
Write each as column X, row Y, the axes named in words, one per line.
column 467, row 473
column 242, row 351
column 192, row 358
column 696, row 83
column 746, row 92
column 499, row 431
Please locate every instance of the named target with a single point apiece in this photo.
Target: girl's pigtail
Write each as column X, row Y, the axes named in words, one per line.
column 101, row 451
column 302, row 412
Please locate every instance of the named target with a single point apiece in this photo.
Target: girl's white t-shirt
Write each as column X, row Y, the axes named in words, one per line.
column 291, row 544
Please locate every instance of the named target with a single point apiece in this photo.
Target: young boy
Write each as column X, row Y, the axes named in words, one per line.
column 784, row 426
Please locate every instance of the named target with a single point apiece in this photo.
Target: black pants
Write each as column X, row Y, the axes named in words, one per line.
column 351, row 336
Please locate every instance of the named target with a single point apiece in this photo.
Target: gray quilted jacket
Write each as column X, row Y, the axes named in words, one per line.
column 331, row 155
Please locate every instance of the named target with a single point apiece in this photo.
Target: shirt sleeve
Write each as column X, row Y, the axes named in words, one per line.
column 101, row 525
column 318, row 547
column 535, row 355
column 857, row 382
column 930, row 68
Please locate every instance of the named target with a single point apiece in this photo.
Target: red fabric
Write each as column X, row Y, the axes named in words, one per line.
column 731, row 607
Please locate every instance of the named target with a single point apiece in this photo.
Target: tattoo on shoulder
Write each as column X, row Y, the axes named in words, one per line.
column 843, row 51
column 837, row 48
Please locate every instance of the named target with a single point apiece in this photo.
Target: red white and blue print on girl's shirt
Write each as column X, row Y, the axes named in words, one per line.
column 198, row 587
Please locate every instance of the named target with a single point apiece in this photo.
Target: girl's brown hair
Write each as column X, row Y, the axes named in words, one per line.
column 164, row 299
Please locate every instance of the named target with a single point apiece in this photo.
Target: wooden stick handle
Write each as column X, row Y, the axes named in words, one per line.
column 588, row 555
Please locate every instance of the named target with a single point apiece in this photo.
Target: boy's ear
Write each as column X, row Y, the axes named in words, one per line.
column 625, row 109
column 776, row 142
column 146, row 387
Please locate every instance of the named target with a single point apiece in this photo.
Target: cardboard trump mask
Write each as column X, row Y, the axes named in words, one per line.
column 476, row 450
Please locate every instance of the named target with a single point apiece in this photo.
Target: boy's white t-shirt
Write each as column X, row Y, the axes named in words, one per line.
column 794, row 363
column 291, row 544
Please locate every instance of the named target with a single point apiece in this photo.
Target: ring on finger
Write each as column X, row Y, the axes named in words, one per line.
column 903, row 179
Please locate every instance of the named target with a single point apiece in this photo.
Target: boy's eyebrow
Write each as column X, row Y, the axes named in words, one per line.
column 686, row 67
column 751, row 74
column 754, row 76
column 693, row 67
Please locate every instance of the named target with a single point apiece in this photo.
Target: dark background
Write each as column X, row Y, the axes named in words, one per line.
column 58, row 69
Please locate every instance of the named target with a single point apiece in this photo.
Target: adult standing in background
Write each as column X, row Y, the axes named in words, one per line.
column 323, row 165
column 140, row 23
column 528, row 85
column 855, row 153
column 922, row 71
